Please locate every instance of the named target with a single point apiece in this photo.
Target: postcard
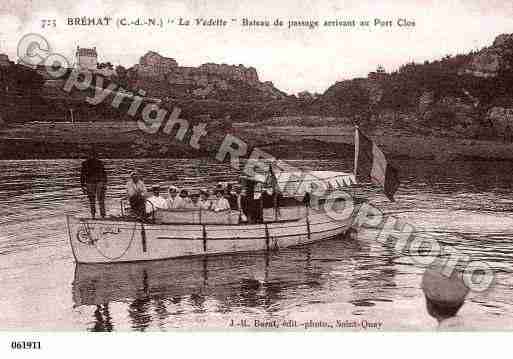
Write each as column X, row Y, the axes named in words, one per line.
column 240, row 166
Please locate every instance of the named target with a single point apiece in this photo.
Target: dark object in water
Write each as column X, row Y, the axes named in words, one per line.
column 442, row 310
column 445, row 294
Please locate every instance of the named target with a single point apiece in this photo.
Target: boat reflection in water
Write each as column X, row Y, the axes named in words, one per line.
column 158, row 292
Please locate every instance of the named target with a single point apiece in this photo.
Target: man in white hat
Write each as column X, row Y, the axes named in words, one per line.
column 155, row 201
column 204, row 203
column 172, row 199
column 220, row 203
column 445, row 295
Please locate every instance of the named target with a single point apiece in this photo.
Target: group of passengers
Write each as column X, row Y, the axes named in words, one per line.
column 249, row 200
column 141, row 201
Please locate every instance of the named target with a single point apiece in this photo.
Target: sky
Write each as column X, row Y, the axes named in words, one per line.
column 293, row 59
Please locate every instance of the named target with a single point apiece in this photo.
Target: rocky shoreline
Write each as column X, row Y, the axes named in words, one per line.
column 118, row 140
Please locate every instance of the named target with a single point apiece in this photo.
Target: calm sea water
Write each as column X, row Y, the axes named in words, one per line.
column 467, row 205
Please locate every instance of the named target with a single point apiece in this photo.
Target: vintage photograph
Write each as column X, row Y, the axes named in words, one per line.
column 341, row 166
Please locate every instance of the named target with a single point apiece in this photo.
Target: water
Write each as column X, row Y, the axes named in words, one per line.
column 467, row 205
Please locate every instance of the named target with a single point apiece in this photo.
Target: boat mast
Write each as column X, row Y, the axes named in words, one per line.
column 356, row 150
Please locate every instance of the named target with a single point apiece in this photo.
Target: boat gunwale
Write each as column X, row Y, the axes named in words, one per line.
column 256, row 226
column 130, row 220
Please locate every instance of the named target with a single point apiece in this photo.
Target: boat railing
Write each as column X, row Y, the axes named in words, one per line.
column 125, row 206
column 197, row 216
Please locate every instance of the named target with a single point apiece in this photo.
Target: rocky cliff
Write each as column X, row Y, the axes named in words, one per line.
column 467, row 96
column 162, row 77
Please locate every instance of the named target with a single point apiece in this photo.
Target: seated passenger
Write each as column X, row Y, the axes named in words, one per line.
column 136, row 191
column 256, row 205
column 231, row 196
column 221, row 203
column 194, row 203
column 204, row 203
column 268, row 198
column 172, row 196
column 155, row 201
column 182, row 201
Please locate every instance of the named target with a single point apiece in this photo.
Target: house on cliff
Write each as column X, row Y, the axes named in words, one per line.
column 86, row 58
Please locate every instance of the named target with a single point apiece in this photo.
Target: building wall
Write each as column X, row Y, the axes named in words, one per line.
column 88, row 62
column 4, row 60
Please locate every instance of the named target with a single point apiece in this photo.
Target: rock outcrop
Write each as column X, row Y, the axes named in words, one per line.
column 163, row 77
column 153, row 64
column 491, row 60
column 502, row 121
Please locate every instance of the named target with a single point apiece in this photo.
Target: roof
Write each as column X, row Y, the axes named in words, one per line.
column 301, row 182
column 297, row 183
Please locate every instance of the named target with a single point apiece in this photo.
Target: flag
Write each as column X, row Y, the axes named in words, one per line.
column 370, row 162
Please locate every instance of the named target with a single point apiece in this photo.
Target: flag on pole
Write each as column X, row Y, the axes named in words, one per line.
column 370, row 162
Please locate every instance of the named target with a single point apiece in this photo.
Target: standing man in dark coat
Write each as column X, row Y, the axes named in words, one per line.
column 93, row 180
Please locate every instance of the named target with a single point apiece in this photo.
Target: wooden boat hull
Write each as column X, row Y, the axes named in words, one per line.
column 111, row 241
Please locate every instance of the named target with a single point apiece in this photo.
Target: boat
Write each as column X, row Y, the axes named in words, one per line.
column 128, row 240
column 188, row 233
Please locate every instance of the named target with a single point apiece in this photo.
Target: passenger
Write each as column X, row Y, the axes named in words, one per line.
column 136, row 191
column 231, row 196
column 221, row 203
column 93, row 180
column 220, row 186
column 268, row 198
column 155, row 201
column 182, row 201
column 314, row 196
column 172, row 196
column 194, row 204
column 257, row 204
column 250, row 202
column 306, row 199
column 204, row 203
